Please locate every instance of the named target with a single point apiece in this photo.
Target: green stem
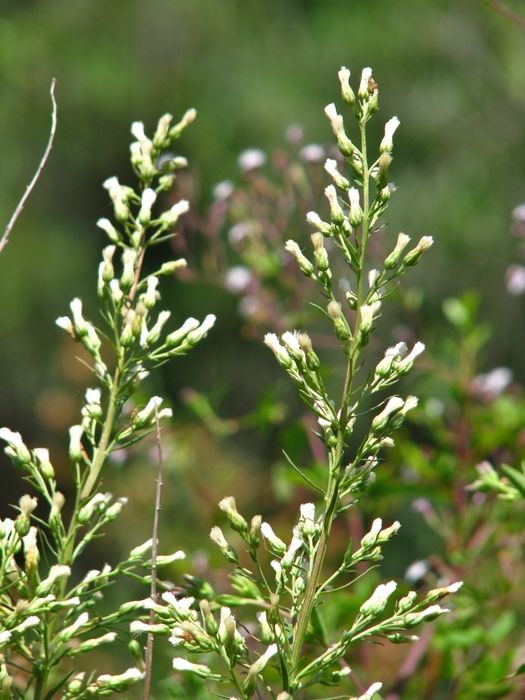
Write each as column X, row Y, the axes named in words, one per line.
column 101, row 452
column 311, row 588
column 332, row 494
column 96, row 466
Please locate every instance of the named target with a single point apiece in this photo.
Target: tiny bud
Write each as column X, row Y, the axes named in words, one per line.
column 390, row 129
column 356, row 213
column 364, row 91
column 148, row 199
column 331, row 168
column 336, row 213
column 305, row 265
column 319, row 224
column 393, row 259
column 377, row 602
column 238, row 523
column 385, row 159
column 113, row 235
column 412, row 257
column 346, row 91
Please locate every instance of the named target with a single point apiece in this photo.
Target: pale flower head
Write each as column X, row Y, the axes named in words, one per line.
column 251, row 159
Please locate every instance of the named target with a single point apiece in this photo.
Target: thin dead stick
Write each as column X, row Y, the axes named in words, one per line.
column 5, row 237
column 505, row 12
column 154, row 548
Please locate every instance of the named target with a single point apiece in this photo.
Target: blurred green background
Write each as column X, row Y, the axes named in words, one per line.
column 453, row 74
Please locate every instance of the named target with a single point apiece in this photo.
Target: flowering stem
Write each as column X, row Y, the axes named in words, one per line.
column 310, row 595
column 154, row 550
column 332, row 493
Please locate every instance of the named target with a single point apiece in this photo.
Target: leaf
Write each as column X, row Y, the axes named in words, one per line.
column 517, row 478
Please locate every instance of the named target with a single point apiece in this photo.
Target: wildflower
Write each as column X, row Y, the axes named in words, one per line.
column 331, row 168
column 272, row 341
column 377, row 602
column 238, row 279
column 162, row 132
column 256, row 668
column 16, row 446
column 274, row 542
column 319, row 224
column 336, row 213
column 238, row 523
column 223, row 190
column 313, row 153
column 390, row 129
column 106, row 225
column 356, row 213
column 201, row 332
column 346, row 90
column 305, row 265
column 148, row 199
column 251, row 159
column 180, row 664
column 490, row 385
column 178, row 336
column 169, row 218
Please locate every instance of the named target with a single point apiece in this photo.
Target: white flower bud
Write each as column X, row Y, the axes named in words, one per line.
column 180, row 664
column 201, row 332
column 154, row 334
column 374, row 688
column 169, row 218
column 148, row 199
column 150, row 297
column 75, row 445
column 272, row 341
column 137, row 129
column 306, row 266
column 106, row 225
column 336, row 213
column 346, row 90
column 275, row 543
column 394, row 405
column 331, row 168
column 251, row 159
column 313, row 218
column 128, row 274
column 45, row 466
column 15, row 442
column 356, row 213
column 78, row 320
column 392, row 260
column 363, row 91
column 390, row 129
column 146, row 417
column 377, row 602
column 178, row 336
column 162, row 131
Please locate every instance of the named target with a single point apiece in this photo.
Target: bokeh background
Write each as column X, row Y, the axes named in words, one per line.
column 453, row 74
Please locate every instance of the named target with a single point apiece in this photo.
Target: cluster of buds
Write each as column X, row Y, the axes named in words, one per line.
column 393, row 415
column 199, row 631
column 296, row 355
column 105, row 684
column 370, row 549
column 395, row 364
column 81, row 330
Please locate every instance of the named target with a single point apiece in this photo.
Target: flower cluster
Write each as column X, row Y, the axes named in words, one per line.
column 45, row 618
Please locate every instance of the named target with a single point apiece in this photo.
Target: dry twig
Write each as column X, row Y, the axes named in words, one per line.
column 12, row 221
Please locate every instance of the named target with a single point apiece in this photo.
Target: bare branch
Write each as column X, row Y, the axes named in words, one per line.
column 5, row 237
column 505, row 12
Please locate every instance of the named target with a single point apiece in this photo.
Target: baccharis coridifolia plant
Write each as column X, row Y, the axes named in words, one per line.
column 46, row 623
column 289, row 650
